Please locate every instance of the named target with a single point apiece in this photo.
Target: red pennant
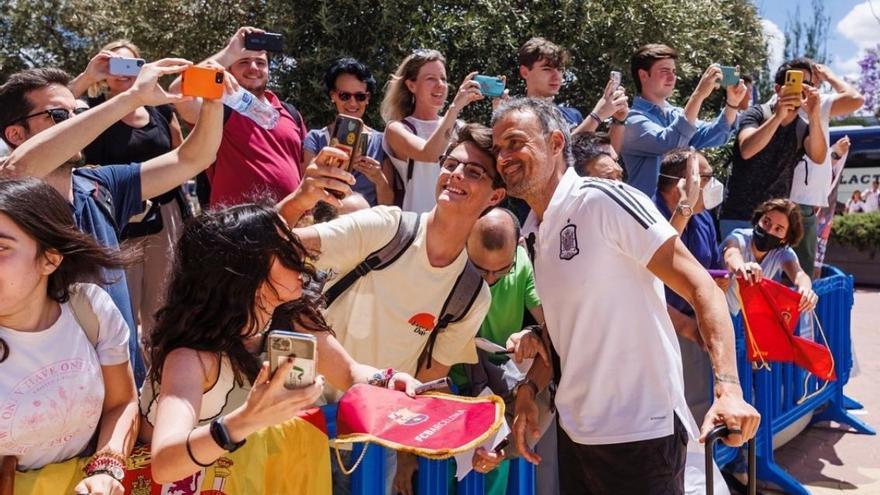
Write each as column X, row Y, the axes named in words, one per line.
column 771, row 313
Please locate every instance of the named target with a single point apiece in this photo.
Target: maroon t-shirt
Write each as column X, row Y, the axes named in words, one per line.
column 253, row 160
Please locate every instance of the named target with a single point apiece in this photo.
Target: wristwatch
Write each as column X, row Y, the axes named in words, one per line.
column 115, row 472
column 684, row 210
column 221, row 436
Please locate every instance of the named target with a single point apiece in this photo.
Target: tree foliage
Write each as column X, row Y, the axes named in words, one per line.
column 481, row 35
column 869, row 79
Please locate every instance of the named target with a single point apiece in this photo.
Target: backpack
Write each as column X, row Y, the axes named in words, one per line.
column 84, row 314
column 459, row 301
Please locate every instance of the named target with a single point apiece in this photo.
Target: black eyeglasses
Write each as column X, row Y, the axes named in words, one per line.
column 472, row 170
column 359, row 96
column 496, row 273
column 57, row 115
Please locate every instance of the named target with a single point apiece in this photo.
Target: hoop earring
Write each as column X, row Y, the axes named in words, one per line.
column 4, row 350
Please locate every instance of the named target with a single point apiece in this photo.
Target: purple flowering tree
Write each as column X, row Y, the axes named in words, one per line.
column 869, row 79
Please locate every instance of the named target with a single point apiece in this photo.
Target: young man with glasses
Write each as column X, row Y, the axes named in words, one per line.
column 41, row 122
column 772, row 139
column 655, row 126
column 387, row 315
column 251, row 159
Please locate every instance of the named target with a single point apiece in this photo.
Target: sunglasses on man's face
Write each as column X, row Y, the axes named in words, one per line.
column 345, row 96
column 58, row 115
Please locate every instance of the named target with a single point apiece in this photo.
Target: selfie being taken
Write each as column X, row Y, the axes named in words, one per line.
column 381, row 249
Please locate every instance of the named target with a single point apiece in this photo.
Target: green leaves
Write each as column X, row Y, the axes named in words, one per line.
column 858, row 230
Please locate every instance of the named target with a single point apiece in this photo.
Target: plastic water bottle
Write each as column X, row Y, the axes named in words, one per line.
column 245, row 103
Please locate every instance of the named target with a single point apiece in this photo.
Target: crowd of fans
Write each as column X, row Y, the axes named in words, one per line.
column 611, row 259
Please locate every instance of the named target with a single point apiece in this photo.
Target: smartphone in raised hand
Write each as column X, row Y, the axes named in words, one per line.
column 124, row 66
column 302, row 347
column 270, row 42
column 202, row 82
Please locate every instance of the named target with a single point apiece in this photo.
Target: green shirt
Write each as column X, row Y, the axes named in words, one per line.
column 510, row 295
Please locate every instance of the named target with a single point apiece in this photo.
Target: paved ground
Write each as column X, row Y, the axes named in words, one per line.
column 827, row 458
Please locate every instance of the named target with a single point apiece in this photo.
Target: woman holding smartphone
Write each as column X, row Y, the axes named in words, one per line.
column 350, row 85
column 145, row 133
column 63, row 381
column 208, row 388
column 415, row 133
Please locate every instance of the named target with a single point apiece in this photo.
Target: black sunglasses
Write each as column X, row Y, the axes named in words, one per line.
column 345, row 96
column 57, row 115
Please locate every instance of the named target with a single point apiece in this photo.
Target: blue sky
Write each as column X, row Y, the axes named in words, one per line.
column 853, row 27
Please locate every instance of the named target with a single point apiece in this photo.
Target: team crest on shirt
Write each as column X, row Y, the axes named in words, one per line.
column 568, row 242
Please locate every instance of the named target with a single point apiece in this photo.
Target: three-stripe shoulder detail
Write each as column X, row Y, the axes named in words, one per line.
column 625, row 199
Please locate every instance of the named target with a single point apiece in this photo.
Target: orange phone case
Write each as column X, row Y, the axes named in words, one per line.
column 202, row 82
column 794, row 83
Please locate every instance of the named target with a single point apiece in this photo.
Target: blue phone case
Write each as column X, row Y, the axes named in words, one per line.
column 729, row 76
column 490, row 86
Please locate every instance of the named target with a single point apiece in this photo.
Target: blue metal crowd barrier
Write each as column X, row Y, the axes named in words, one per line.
column 783, row 395
column 786, row 393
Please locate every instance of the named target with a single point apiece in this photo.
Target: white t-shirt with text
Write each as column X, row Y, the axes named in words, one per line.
column 52, row 389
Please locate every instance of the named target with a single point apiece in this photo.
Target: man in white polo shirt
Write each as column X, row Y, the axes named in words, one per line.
column 602, row 256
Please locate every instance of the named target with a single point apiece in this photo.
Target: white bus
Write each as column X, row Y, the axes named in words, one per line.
column 863, row 163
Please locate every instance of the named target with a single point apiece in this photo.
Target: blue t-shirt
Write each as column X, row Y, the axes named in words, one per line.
column 123, row 183
column 700, row 238
column 318, row 138
column 572, row 115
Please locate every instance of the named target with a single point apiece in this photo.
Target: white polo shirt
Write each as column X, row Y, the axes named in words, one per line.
column 606, row 313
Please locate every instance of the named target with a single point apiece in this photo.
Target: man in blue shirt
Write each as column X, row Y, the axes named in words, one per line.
column 654, row 126
column 39, row 120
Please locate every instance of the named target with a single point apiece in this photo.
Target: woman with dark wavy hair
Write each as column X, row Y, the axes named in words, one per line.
column 233, row 268
column 62, row 379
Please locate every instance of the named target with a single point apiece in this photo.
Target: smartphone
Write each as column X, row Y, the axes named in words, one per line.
column 490, row 86
column 498, row 448
column 203, row 82
column 347, row 135
column 729, row 76
column 794, row 83
column 124, row 66
column 437, row 384
column 302, row 346
column 615, row 82
column 270, row 42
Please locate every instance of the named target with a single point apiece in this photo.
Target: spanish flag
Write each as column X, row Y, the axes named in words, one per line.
column 293, row 457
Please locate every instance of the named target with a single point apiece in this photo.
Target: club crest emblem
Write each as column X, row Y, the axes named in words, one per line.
column 405, row 417
column 568, row 242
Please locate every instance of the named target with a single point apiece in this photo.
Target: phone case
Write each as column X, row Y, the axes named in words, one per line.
column 490, row 86
column 729, row 76
column 202, row 82
column 794, row 83
column 271, row 42
column 120, row 66
column 348, row 132
column 282, row 344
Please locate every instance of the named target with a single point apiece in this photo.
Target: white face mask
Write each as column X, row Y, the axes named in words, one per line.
column 713, row 193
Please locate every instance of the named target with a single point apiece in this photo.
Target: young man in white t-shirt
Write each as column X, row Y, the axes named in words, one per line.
column 812, row 182
column 602, row 255
column 387, row 315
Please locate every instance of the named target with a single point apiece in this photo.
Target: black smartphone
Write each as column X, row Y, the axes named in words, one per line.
column 504, row 443
column 270, row 42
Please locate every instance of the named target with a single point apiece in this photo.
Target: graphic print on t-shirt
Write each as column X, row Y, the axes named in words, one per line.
column 423, row 323
column 568, row 242
column 49, row 407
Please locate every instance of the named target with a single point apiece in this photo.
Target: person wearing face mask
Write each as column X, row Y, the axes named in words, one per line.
column 686, row 191
column 350, row 84
column 764, row 251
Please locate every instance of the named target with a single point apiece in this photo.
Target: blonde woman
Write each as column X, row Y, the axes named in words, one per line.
column 415, row 133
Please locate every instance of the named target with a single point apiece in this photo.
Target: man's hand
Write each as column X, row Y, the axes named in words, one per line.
column 707, row 82
column 322, row 175
column 484, row 461
column 525, row 423
column 786, row 105
column 146, row 89
column 407, row 465
column 689, row 185
column 526, row 344
column 823, row 74
column 736, row 94
column 812, row 104
column 729, row 408
column 234, row 49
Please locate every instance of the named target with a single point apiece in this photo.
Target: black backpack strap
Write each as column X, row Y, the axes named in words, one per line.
column 297, row 117
column 457, row 305
column 407, row 229
column 410, row 164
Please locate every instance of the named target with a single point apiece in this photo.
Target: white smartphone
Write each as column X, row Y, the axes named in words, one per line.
column 302, row 347
column 123, row 66
column 615, row 81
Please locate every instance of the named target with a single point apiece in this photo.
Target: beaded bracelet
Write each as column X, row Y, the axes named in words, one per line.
column 102, row 461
